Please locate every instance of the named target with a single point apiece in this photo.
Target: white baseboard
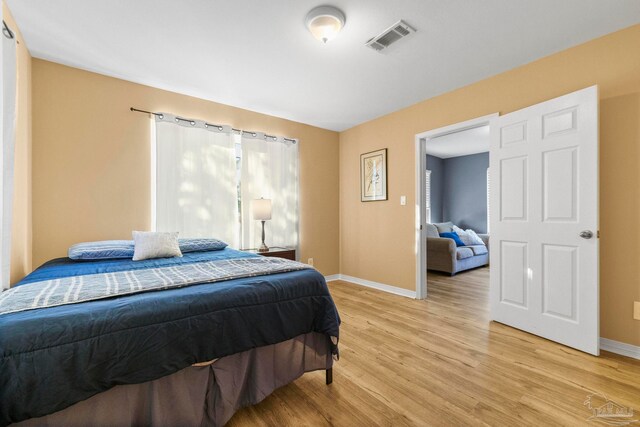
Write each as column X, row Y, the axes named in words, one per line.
column 621, row 348
column 374, row 285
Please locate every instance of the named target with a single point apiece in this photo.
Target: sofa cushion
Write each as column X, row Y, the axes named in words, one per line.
column 432, row 231
column 444, row 227
column 454, row 237
column 463, row 252
column 478, row 249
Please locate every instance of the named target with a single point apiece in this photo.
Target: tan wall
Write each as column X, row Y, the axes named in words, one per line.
column 91, row 161
column 21, row 227
column 377, row 238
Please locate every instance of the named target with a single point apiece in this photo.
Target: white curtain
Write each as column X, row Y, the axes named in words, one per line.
column 270, row 170
column 195, row 179
column 8, row 117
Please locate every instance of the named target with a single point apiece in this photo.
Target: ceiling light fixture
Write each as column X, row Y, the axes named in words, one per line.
column 325, row 22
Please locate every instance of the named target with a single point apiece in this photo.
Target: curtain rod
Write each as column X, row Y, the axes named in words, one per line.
column 206, row 124
column 7, row 31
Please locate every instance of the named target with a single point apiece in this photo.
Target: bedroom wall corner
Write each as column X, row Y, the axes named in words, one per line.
column 21, row 230
column 377, row 238
column 91, row 161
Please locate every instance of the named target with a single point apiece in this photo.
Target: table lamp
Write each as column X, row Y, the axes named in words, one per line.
column 261, row 211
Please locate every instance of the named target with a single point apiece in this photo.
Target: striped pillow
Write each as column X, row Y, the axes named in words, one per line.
column 124, row 249
column 106, row 249
column 199, row 245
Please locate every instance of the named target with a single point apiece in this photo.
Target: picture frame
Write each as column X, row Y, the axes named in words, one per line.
column 373, row 176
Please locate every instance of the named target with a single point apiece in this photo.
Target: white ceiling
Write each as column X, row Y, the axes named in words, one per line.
column 258, row 55
column 463, row 143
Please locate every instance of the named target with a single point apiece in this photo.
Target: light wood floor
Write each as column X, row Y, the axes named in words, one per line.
column 441, row 362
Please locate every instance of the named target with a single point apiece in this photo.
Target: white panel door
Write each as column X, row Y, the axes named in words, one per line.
column 544, row 220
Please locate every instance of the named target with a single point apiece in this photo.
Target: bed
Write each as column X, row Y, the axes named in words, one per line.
column 181, row 354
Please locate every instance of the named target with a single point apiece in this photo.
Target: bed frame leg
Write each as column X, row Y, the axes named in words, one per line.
column 329, row 376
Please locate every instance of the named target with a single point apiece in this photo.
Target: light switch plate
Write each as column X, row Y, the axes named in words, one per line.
column 403, row 200
column 636, row 310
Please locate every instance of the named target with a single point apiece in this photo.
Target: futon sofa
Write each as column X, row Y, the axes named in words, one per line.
column 444, row 255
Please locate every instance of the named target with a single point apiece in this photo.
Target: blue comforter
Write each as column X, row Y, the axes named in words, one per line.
column 54, row 357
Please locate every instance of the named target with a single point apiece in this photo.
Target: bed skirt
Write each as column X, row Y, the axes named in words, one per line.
column 199, row 395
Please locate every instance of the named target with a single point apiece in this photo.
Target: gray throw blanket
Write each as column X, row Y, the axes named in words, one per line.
column 76, row 289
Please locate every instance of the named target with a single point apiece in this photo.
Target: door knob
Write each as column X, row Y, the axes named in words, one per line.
column 586, row 234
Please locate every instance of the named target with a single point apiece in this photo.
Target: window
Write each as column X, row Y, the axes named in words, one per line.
column 196, row 192
column 427, row 196
column 206, row 176
column 488, row 200
column 270, row 170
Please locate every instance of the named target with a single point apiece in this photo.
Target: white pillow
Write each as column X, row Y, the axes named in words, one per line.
column 475, row 239
column 151, row 244
column 468, row 237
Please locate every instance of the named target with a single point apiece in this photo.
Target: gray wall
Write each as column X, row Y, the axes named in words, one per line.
column 465, row 191
column 459, row 190
column 436, row 166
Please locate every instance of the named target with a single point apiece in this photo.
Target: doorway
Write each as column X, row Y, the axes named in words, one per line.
column 451, row 145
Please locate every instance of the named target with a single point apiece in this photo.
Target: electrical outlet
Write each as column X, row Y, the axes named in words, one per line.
column 403, row 200
column 310, row 262
column 636, row 310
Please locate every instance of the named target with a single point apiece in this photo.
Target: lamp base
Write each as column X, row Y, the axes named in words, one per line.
column 263, row 247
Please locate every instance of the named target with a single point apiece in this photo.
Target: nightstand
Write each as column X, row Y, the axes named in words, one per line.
column 286, row 253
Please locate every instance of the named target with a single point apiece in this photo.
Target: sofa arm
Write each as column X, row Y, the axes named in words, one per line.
column 485, row 239
column 441, row 254
column 441, row 244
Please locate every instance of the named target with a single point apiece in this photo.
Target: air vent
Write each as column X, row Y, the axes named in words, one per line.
column 397, row 31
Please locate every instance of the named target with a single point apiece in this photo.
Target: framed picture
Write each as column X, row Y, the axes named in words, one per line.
column 373, row 176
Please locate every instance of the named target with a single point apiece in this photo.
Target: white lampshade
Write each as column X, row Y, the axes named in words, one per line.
column 325, row 22
column 261, row 209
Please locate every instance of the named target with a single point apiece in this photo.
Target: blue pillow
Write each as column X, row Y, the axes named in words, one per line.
column 123, row 249
column 453, row 236
column 199, row 245
column 106, row 249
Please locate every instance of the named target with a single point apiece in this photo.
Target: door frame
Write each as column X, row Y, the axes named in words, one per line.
column 421, row 163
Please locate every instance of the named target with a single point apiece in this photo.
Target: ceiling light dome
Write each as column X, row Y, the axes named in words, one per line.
column 325, row 22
